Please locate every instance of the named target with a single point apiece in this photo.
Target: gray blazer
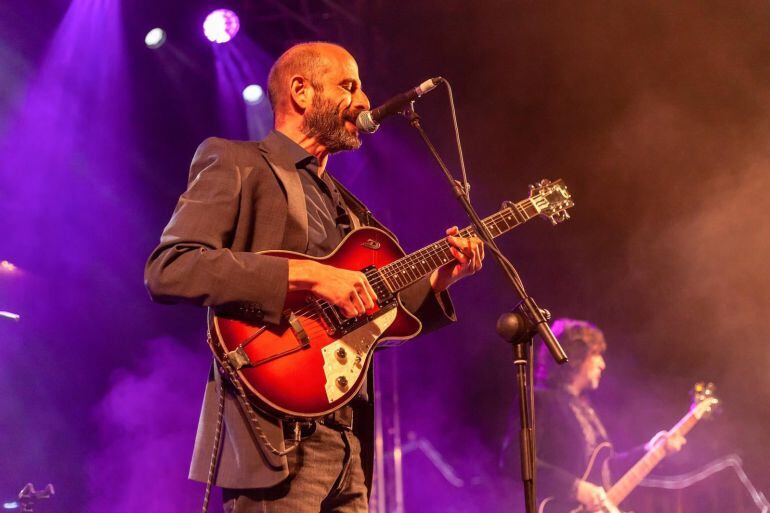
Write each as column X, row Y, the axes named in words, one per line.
column 244, row 197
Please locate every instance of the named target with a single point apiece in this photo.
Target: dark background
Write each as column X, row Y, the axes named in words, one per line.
column 656, row 114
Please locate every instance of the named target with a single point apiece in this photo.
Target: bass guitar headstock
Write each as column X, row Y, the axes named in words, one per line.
column 551, row 200
column 704, row 401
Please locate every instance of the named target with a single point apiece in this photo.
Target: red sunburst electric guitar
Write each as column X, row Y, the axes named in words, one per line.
column 315, row 360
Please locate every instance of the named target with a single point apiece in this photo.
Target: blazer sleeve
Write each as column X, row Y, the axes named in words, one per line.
column 435, row 310
column 193, row 263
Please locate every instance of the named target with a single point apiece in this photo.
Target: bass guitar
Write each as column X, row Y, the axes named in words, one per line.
column 315, row 361
column 704, row 402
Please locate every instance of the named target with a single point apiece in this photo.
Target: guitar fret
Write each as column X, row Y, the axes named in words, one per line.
column 407, row 270
column 644, row 466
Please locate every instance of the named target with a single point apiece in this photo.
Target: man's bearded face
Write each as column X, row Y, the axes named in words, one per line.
column 326, row 123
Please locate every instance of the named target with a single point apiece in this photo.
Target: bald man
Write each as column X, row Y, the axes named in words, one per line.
column 244, row 197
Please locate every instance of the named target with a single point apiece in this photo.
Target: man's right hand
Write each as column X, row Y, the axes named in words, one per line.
column 593, row 497
column 348, row 290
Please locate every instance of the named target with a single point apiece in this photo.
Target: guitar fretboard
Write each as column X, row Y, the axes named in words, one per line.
column 644, row 466
column 406, row 271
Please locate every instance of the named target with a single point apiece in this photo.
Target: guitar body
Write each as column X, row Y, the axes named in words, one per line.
column 594, row 473
column 308, row 375
column 316, row 360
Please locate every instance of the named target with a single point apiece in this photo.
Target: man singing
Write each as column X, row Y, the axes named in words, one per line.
column 276, row 194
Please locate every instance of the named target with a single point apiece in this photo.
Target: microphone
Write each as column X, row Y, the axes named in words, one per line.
column 369, row 120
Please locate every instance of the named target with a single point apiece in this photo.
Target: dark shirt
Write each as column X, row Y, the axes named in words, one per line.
column 568, row 431
column 327, row 218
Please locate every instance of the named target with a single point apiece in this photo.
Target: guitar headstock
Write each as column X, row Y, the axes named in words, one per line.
column 704, row 402
column 551, row 200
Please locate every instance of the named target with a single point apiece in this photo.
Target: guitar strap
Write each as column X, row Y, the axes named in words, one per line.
column 360, row 215
column 224, row 369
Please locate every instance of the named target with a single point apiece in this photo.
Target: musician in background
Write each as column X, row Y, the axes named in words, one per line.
column 244, row 197
column 568, row 428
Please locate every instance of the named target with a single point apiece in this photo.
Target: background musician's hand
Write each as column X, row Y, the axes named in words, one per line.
column 590, row 495
column 348, row 290
column 469, row 253
column 673, row 441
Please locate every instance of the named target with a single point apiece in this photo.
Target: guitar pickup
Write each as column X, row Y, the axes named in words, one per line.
column 299, row 331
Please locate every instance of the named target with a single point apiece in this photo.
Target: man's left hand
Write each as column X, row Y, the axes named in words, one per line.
column 469, row 253
column 672, row 442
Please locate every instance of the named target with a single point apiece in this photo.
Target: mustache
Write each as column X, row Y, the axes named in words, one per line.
column 351, row 115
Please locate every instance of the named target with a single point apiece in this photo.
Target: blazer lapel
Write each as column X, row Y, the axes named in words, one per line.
column 296, row 234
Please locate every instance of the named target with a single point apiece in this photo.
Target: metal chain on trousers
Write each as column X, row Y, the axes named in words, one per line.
column 215, row 449
column 224, row 367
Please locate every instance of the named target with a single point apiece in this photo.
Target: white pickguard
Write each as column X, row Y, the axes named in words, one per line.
column 355, row 346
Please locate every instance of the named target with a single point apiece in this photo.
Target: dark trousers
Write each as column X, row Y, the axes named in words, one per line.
column 325, row 476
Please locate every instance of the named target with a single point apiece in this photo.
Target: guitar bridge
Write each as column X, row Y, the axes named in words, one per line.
column 299, row 331
column 238, row 358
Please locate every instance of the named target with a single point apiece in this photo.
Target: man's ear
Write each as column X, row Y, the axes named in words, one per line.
column 301, row 92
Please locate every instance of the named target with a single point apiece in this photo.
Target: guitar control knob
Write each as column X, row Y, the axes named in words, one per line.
column 341, row 353
column 342, row 382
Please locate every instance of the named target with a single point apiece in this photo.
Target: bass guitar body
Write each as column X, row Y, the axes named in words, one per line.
column 316, row 360
column 596, row 472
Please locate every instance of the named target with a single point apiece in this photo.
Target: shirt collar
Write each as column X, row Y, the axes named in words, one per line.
column 281, row 144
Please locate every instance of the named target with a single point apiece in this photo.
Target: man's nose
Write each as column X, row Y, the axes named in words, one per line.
column 361, row 101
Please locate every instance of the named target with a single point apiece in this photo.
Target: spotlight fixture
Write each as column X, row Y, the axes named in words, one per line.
column 221, row 26
column 253, row 94
column 155, row 38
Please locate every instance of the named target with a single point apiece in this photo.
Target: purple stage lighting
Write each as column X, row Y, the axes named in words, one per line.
column 155, row 38
column 221, row 26
column 253, row 94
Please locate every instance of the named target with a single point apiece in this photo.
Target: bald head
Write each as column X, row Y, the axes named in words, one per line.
column 309, row 60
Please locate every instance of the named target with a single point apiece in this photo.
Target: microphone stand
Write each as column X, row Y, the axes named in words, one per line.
column 517, row 327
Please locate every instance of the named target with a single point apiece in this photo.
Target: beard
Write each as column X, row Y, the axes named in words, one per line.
column 324, row 123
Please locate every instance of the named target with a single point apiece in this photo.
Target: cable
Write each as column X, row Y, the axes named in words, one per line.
column 681, row 481
column 466, row 185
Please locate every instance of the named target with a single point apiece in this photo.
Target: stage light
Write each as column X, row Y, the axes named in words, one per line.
column 253, row 94
column 221, row 26
column 155, row 38
column 6, row 266
column 10, row 316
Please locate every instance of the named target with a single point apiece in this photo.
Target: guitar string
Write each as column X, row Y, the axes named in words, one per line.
column 385, row 274
column 378, row 277
column 444, row 245
column 395, row 272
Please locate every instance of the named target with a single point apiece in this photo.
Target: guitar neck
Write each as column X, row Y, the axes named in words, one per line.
column 644, row 466
column 407, row 270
